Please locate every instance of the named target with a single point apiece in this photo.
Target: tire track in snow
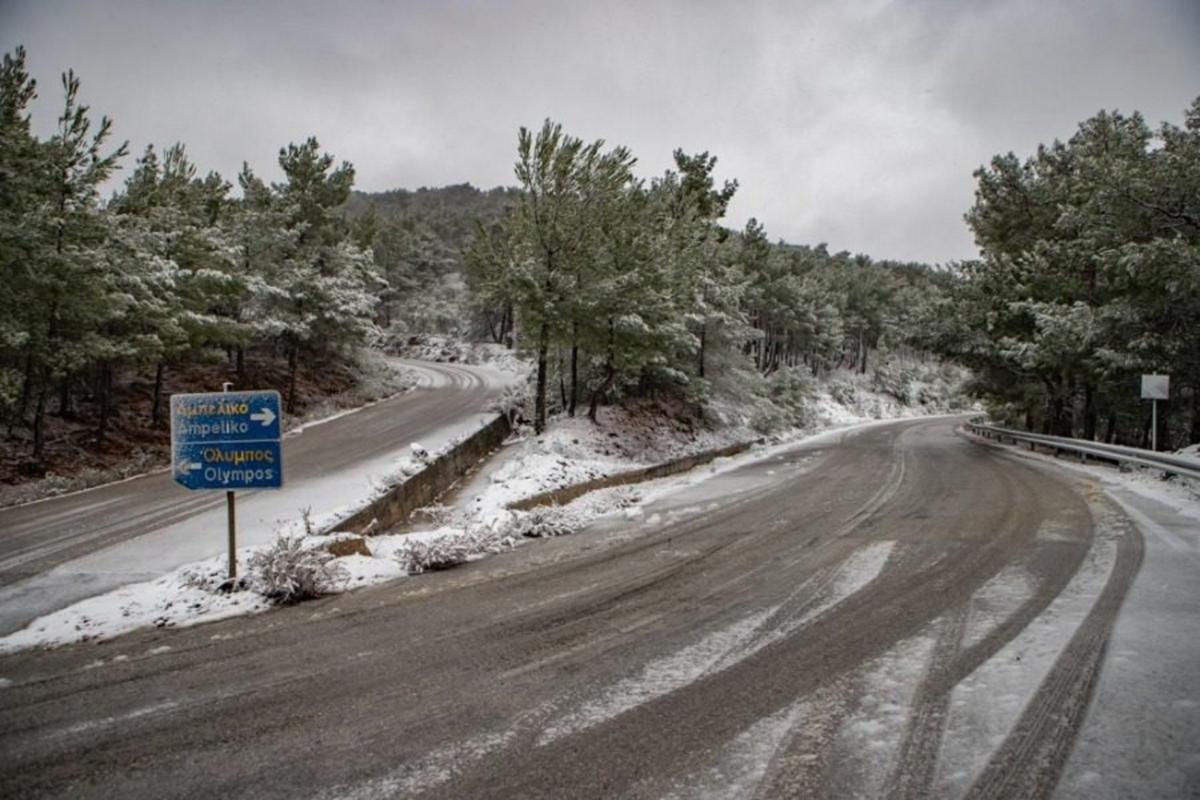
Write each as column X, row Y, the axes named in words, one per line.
column 1030, row 760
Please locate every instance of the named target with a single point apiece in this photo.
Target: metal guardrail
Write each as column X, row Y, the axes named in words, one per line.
column 1118, row 454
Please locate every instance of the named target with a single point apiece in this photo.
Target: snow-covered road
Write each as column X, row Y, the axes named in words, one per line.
column 60, row 550
column 891, row 610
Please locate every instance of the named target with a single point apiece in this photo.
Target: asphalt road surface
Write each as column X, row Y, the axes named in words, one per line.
column 901, row 613
column 39, row 537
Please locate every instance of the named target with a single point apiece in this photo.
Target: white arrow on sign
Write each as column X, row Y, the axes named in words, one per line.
column 266, row 416
column 188, row 466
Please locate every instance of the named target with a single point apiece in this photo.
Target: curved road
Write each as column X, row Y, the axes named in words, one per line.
column 38, row 537
column 895, row 612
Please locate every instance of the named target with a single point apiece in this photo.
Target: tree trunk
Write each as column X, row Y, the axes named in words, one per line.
column 1194, row 431
column 64, row 397
column 240, row 365
column 39, row 424
column 18, row 415
column 610, row 375
column 105, row 401
column 1165, row 443
column 156, row 409
column 574, row 379
column 700, row 366
column 562, row 381
column 293, row 366
column 1089, row 411
column 601, row 390
column 1060, row 411
column 539, row 400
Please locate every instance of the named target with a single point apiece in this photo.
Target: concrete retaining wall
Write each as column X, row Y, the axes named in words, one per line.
column 427, row 485
column 673, row 467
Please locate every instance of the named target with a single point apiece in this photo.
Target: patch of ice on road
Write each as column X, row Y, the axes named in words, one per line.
column 158, row 651
column 996, row 601
column 986, row 705
column 5, row 683
column 860, row 569
column 856, row 572
column 658, row 678
column 422, row 774
column 107, row 722
column 872, row 733
column 744, row 762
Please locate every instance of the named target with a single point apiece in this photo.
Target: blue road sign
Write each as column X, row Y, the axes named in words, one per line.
column 227, row 440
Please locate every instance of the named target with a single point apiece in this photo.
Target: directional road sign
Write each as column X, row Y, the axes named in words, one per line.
column 227, row 440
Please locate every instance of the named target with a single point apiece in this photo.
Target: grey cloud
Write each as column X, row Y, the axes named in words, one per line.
column 856, row 123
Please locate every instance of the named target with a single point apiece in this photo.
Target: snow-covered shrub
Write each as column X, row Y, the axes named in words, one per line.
column 427, row 555
column 844, row 392
column 790, row 389
column 206, row 580
column 491, row 540
column 766, row 417
column 895, row 380
column 543, row 522
column 515, row 402
column 292, row 570
column 443, row 552
column 624, row 497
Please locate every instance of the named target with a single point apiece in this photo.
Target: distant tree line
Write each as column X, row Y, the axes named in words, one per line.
column 1090, row 277
column 615, row 286
column 419, row 239
column 172, row 270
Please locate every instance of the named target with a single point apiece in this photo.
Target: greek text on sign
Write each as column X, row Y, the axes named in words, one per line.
column 227, row 440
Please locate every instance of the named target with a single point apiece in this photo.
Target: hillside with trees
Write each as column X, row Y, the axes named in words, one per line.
column 613, row 286
column 178, row 281
column 619, row 287
column 419, row 239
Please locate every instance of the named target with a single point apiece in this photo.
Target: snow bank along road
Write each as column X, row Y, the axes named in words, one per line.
column 57, row 551
column 901, row 613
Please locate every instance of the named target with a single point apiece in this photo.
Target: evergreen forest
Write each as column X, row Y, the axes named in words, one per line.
column 611, row 284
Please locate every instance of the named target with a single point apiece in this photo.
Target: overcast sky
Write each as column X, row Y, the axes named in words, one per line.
column 852, row 123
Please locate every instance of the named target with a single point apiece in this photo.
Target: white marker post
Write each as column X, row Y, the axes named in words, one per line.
column 1155, row 388
column 232, row 514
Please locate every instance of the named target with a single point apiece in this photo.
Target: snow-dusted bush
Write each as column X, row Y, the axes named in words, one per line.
column 515, row 402
column 427, row 555
column 450, row 550
column 766, row 417
column 543, row 522
column 844, row 392
column 896, row 380
column 292, row 570
column 206, row 580
column 791, row 389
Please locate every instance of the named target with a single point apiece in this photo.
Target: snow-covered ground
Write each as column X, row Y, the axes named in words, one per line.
column 443, row 349
column 261, row 517
column 146, row 582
